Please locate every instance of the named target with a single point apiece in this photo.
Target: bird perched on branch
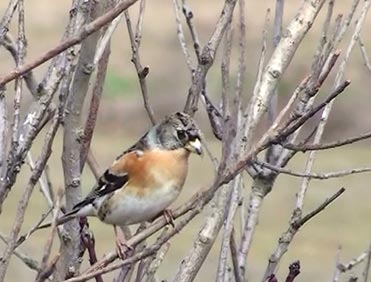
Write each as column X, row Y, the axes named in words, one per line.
column 145, row 179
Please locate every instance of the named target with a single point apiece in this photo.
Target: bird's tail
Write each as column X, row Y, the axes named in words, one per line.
column 62, row 220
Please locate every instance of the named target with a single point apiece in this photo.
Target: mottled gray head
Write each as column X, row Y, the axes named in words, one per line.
column 179, row 130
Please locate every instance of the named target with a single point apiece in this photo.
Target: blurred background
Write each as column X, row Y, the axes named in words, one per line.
column 122, row 120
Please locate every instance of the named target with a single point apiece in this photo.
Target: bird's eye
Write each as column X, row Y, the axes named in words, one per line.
column 181, row 134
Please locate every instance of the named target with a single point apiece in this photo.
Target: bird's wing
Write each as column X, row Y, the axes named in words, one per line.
column 115, row 177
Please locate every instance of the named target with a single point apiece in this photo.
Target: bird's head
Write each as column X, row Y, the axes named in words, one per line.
column 179, row 130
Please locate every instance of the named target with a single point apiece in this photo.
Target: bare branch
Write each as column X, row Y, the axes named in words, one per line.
column 340, row 34
column 207, row 57
column 352, row 263
column 366, row 62
column 69, row 261
column 76, row 39
column 94, row 105
column 294, row 271
column 331, row 145
column 366, row 269
column 21, row 42
column 88, row 240
column 290, row 233
column 157, row 262
column 5, row 21
column 27, row 260
column 24, row 237
column 336, row 274
column 280, row 59
column 188, row 14
column 3, row 135
column 43, row 273
column 192, row 263
column 322, row 175
column 180, row 33
column 261, row 63
column 277, row 31
column 29, row 77
column 234, row 254
column 309, row 216
column 93, row 164
column 241, row 72
column 227, row 232
column 142, row 72
column 225, row 66
column 22, row 206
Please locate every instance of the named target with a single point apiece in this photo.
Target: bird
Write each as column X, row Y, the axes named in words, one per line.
column 144, row 180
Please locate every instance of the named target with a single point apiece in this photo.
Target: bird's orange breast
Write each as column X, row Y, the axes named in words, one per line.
column 153, row 169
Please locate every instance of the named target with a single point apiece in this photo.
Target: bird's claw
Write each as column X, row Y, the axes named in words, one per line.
column 169, row 217
column 123, row 249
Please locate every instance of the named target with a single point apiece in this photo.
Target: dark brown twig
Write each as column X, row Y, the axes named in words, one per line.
column 294, row 271
column 94, row 105
column 88, row 240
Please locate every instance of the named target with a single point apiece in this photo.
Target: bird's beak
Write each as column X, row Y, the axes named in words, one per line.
column 195, row 146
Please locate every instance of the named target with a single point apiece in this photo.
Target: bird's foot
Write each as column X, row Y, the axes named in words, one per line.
column 123, row 249
column 169, row 217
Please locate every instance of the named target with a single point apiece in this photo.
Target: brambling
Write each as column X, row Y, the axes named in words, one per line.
column 145, row 179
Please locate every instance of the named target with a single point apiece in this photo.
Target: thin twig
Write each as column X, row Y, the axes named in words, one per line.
column 157, row 262
column 287, row 237
column 227, row 232
column 207, row 57
column 29, row 77
column 3, row 135
column 277, row 30
column 93, row 165
column 225, row 71
column 321, row 175
column 94, row 105
column 331, row 145
column 309, row 216
column 294, row 271
column 21, row 50
column 26, row 259
column 23, row 203
column 344, row 267
column 42, row 274
column 5, row 21
column 366, row 60
column 141, row 71
column 336, row 274
column 188, row 14
column 366, row 269
column 76, row 39
column 27, row 235
column 180, row 33
column 145, row 253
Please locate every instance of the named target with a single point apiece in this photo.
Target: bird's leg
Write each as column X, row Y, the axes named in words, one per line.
column 122, row 248
column 169, row 217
